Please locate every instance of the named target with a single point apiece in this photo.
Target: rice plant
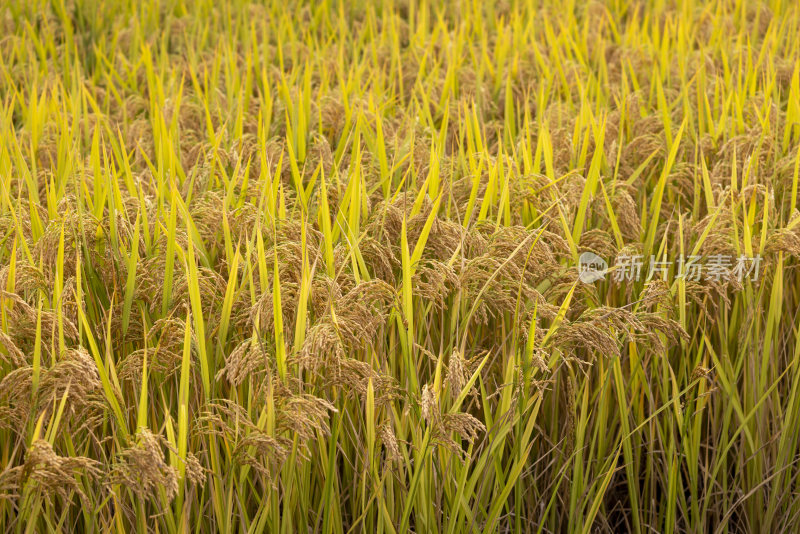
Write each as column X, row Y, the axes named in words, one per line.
column 399, row 266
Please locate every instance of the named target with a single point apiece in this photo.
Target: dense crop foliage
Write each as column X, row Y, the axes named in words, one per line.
column 315, row 268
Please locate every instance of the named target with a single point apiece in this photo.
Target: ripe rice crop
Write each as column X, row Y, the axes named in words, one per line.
column 394, row 266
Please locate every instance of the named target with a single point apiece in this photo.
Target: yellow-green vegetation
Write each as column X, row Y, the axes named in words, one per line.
column 315, row 267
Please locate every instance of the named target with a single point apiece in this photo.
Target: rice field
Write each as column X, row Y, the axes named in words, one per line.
column 399, row 266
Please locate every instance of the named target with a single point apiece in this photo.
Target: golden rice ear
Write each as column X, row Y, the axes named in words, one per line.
column 249, row 359
column 331, row 117
column 27, row 278
column 142, row 468
column 456, row 376
column 76, row 371
column 568, row 381
column 599, row 242
column 11, row 353
column 206, row 210
column 164, row 354
column 444, row 239
column 353, row 376
column 9, row 481
column 442, row 425
column 390, row 443
column 322, row 345
column 428, row 403
column 627, row 214
column 263, row 453
column 654, row 324
column 589, row 335
column 22, row 319
column 81, row 231
column 459, row 370
column 381, row 259
column 299, row 414
column 702, row 372
column 195, row 472
column 784, row 240
column 53, row 475
column 434, row 281
column 465, row 425
column 304, row 415
column 656, row 292
column 16, row 390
